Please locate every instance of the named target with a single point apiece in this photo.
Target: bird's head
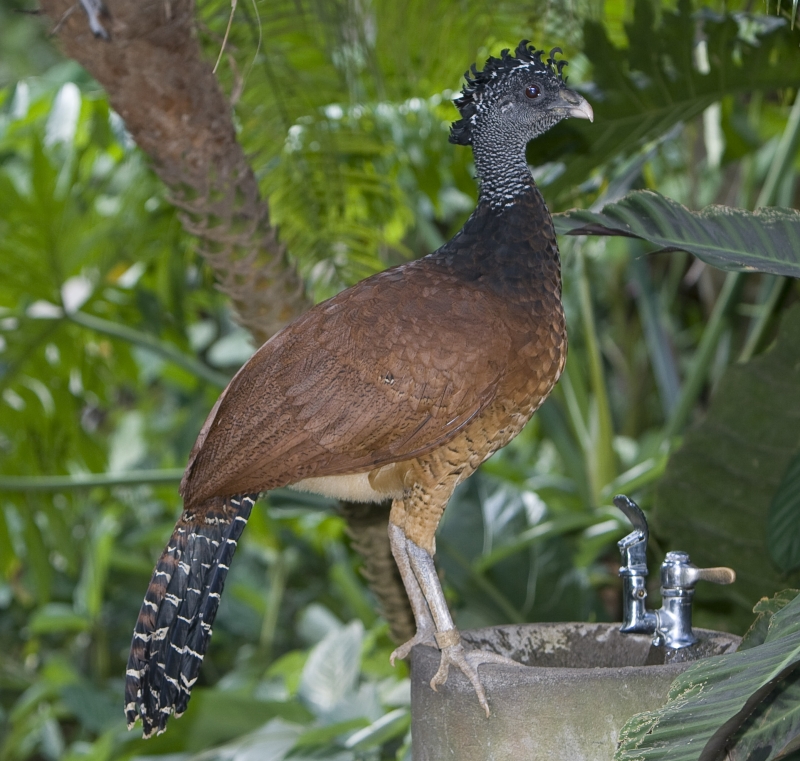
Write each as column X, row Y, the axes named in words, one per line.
column 516, row 97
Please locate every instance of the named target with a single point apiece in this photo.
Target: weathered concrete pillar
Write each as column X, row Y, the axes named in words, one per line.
column 585, row 682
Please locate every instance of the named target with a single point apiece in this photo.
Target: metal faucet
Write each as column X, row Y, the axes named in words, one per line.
column 670, row 626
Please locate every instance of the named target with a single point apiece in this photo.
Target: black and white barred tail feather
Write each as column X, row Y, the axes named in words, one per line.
column 174, row 625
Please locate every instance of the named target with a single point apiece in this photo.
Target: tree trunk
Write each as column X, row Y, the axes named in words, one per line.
column 156, row 79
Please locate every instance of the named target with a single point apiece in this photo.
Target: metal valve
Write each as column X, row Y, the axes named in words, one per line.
column 671, row 625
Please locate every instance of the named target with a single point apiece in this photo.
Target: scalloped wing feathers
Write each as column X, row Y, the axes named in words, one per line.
column 344, row 389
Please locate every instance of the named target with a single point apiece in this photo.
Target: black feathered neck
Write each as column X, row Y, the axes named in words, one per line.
column 494, row 69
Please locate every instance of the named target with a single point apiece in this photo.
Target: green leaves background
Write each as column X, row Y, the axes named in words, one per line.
column 114, row 343
column 715, row 497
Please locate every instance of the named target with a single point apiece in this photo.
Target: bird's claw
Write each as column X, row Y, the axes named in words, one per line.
column 422, row 637
column 468, row 661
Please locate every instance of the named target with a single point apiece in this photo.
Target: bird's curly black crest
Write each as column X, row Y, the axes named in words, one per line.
column 467, row 103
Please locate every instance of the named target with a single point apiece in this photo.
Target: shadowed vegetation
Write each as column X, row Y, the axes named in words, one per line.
column 115, row 342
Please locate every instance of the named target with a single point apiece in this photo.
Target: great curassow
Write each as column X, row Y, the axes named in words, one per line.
column 399, row 387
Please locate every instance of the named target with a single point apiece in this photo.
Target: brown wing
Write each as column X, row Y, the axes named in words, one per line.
column 385, row 371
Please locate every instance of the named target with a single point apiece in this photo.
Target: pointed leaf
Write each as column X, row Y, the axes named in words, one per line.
column 767, row 240
column 765, row 609
column 238, row 719
column 37, row 557
column 272, row 742
column 8, row 557
column 391, row 725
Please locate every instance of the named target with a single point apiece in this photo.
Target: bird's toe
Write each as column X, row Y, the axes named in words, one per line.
column 468, row 661
column 422, row 637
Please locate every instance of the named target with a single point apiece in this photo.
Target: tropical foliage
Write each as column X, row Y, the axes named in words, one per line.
column 114, row 344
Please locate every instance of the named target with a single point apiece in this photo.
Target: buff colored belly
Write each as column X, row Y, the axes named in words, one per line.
column 352, row 487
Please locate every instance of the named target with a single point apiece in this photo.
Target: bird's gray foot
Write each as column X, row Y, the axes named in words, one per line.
column 425, row 636
column 468, row 661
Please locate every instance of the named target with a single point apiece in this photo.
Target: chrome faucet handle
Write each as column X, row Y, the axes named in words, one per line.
column 678, row 579
column 677, row 571
column 717, row 575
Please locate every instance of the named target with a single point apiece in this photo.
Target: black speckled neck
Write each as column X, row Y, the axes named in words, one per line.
column 500, row 162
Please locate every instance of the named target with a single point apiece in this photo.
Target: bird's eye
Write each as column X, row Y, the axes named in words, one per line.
column 532, row 91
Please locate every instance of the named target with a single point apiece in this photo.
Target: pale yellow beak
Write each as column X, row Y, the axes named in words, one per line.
column 574, row 104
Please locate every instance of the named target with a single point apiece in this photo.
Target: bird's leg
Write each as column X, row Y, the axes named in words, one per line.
column 447, row 636
column 412, row 528
column 422, row 615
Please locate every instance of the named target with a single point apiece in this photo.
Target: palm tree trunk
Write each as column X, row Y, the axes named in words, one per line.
column 157, row 80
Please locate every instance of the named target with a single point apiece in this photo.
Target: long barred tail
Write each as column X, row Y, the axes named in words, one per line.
column 174, row 625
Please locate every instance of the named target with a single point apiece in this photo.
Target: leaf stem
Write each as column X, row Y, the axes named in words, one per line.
column 784, row 157
column 484, row 584
column 771, row 295
column 781, row 164
column 602, row 461
column 89, row 480
column 704, row 356
column 163, row 349
column 546, row 530
column 277, row 575
column 661, row 357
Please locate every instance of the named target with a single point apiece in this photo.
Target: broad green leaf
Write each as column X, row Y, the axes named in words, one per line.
column 149, row 342
column 96, row 710
column 714, row 499
column 216, row 716
column 767, row 240
column 772, row 731
column 541, row 532
column 103, row 749
column 783, row 527
column 350, row 587
column 267, row 745
column 58, row 618
column 290, row 667
column 765, row 609
column 710, row 701
column 536, row 581
column 641, row 91
column 272, row 742
column 332, row 667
